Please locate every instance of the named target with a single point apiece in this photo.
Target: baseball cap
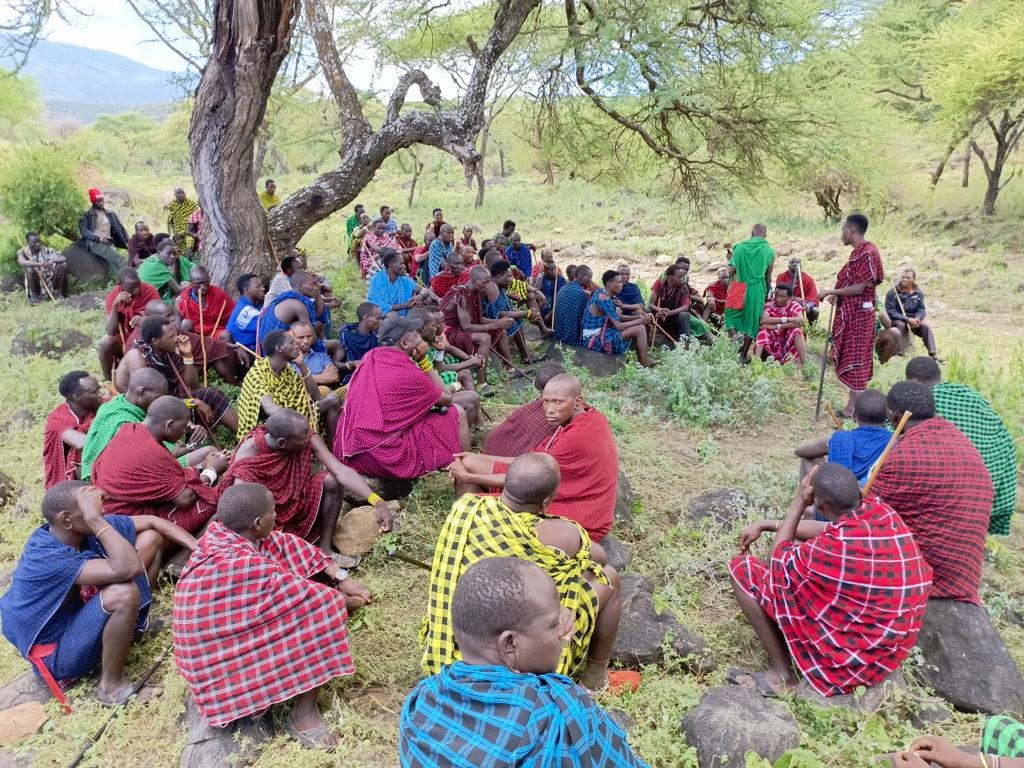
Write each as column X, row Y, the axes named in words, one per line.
column 394, row 327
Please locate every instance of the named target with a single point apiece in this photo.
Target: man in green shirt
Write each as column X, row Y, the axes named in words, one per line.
column 972, row 414
column 751, row 270
column 351, row 223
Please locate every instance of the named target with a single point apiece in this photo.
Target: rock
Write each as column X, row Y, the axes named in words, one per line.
column 624, row 500
column 85, row 267
column 785, row 248
column 618, row 556
column 830, row 254
column 41, row 341
column 557, row 230
column 20, row 419
column 589, row 251
column 662, row 260
column 869, row 701
column 22, row 721
column 733, row 720
column 643, row 631
column 622, row 719
column 571, row 252
column 955, row 253
column 656, row 230
column 356, row 532
column 12, row 284
column 8, row 488
column 86, row 301
column 23, row 689
column 235, row 744
column 701, row 254
column 598, row 363
column 929, row 713
column 723, row 505
column 966, row 662
column 10, row 759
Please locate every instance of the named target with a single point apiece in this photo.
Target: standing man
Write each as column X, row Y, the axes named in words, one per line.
column 269, row 197
column 40, row 262
column 751, row 267
column 853, row 332
column 179, row 213
column 102, row 233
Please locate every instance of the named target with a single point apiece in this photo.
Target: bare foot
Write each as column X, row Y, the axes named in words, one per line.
column 356, row 595
column 595, row 676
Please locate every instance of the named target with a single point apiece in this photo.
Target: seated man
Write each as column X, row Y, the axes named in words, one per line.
column 281, row 281
column 972, row 414
column 570, row 304
column 904, row 304
column 139, row 476
column 519, row 254
column 856, row 449
column 464, row 323
column 782, row 329
column 887, row 338
column 281, row 379
column 515, row 525
column 260, row 618
column 452, row 373
column 141, row 245
column 803, row 289
column 842, row 600
column 603, row 329
column 321, row 365
column 391, row 288
column 527, row 425
column 1002, row 746
column 159, row 346
column 79, row 550
column 454, row 273
column 630, row 295
column 714, row 298
column 937, row 482
column 167, row 271
column 548, row 281
column 302, row 302
column 280, row 455
column 676, row 303
column 40, row 263
column 126, row 307
column 375, row 243
column 102, row 232
column 502, row 703
column 395, row 423
column 144, row 386
column 67, row 425
column 583, row 446
column 203, row 308
column 245, row 317
column 497, row 305
column 356, row 339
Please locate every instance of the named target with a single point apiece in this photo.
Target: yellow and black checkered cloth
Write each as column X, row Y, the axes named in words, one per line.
column 479, row 527
column 288, row 391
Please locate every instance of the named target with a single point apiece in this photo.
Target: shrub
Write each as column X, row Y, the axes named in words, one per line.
column 38, row 192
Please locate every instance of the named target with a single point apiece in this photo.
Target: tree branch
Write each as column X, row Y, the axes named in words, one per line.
column 431, row 93
column 164, row 38
column 984, row 160
column 908, row 96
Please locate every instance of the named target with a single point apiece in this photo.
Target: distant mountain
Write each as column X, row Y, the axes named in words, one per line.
column 81, row 83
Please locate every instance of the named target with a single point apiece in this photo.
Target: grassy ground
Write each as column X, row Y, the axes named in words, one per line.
column 672, row 445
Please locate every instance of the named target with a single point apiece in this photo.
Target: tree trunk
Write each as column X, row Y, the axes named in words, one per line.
column 250, row 40
column 501, row 160
column 966, row 180
column 828, row 199
column 417, row 169
column 549, row 173
column 481, row 186
column 261, row 151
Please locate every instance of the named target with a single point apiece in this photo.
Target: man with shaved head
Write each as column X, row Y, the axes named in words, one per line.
column 465, row 326
column 517, row 525
column 583, row 446
column 301, row 303
column 751, row 268
column 144, row 386
column 527, row 425
column 82, row 549
column 204, row 308
column 126, row 307
column 503, row 702
column 139, row 476
column 260, row 618
column 280, row 454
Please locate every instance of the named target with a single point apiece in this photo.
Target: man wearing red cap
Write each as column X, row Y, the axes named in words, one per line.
column 102, row 233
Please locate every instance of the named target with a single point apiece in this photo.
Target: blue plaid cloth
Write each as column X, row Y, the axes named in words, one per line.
column 487, row 716
column 493, row 310
column 631, row 294
column 858, row 449
column 268, row 320
column 572, row 300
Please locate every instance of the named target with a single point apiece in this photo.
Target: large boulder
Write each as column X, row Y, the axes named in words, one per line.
column 731, row 721
column 85, row 267
column 722, row 505
column 357, row 532
column 619, row 556
column 624, row 501
column 22, row 418
column 236, row 744
column 86, row 301
column 966, row 662
column 643, row 631
column 22, row 722
column 42, row 341
column 26, row 687
column 869, row 700
column 598, row 363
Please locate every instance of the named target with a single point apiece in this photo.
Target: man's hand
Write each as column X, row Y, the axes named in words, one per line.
column 184, row 346
column 136, row 321
column 352, row 588
column 299, row 358
column 909, row 760
column 205, row 412
column 216, row 461
column 197, row 434
column 475, row 360
column 750, row 534
column 123, row 298
column 458, row 471
column 932, row 749
column 805, row 494
column 913, row 322
column 504, row 323
column 90, row 500
column 385, row 519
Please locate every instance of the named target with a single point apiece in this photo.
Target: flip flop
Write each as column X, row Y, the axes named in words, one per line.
column 120, row 701
column 348, row 562
column 758, row 682
column 313, row 738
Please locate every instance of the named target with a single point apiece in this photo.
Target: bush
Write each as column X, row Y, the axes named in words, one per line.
column 39, row 192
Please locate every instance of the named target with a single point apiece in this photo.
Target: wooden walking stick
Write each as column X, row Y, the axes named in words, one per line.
column 881, row 459
column 832, row 413
column 824, row 360
column 202, row 334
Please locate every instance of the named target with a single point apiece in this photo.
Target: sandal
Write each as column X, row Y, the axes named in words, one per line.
column 313, row 738
column 757, row 681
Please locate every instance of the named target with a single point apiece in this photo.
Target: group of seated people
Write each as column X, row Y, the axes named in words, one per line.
column 522, row 603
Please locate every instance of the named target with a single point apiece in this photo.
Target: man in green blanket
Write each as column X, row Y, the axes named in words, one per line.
column 167, row 271
column 144, row 386
column 751, row 270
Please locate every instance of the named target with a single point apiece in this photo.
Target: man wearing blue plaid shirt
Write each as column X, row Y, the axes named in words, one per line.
column 502, row 704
